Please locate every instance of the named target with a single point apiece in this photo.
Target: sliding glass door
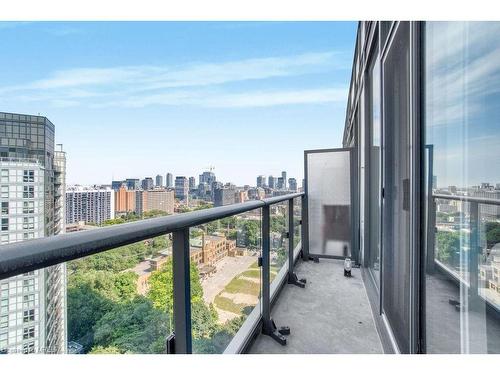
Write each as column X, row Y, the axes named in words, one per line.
column 373, row 91
column 462, row 136
column 396, row 256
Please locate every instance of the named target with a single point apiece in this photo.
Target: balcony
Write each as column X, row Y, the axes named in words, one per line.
column 280, row 289
column 326, row 305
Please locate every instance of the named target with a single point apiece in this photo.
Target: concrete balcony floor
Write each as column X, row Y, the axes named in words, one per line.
column 331, row 315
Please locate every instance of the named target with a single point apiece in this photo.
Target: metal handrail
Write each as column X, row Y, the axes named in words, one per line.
column 22, row 257
column 467, row 198
column 26, row 256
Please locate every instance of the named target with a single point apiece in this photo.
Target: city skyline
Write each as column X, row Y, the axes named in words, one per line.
column 115, row 88
column 195, row 176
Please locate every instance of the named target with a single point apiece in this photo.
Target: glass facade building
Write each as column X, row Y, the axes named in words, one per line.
column 33, row 311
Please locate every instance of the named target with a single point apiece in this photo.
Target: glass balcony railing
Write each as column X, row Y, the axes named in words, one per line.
column 465, row 244
column 120, row 300
column 197, row 282
column 225, row 279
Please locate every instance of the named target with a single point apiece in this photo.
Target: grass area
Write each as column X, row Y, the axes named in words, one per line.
column 227, row 304
column 237, row 285
column 251, row 273
column 255, row 272
column 242, row 286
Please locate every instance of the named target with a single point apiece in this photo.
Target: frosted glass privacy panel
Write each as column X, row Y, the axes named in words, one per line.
column 329, row 202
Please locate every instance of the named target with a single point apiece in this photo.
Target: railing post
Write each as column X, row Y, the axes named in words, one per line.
column 292, row 277
column 291, row 235
column 266, row 263
column 304, row 229
column 268, row 325
column 474, row 249
column 182, row 292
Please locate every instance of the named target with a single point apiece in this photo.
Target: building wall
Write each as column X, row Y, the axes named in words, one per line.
column 181, row 188
column 125, row 200
column 224, row 196
column 89, row 204
column 32, row 179
column 157, row 199
column 161, row 200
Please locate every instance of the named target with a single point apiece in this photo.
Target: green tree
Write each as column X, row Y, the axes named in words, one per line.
column 92, row 294
column 228, row 222
column 221, row 338
column 251, row 233
column 203, row 206
column 154, row 213
column 133, row 327
column 232, row 234
column 125, row 285
column 213, row 226
column 102, row 350
column 448, row 246
column 161, row 295
column 196, row 232
column 85, row 307
column 121, row 258
column 492, row 233
column 277, row 223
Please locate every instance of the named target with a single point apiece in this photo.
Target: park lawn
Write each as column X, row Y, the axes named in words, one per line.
column 238, row 285
column 227, row 304
column 251, row 273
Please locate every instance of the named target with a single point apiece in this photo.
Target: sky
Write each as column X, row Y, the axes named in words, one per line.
column 462, row 99
column 137, row 99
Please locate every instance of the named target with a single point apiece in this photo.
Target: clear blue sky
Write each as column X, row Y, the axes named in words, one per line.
column 140, row 99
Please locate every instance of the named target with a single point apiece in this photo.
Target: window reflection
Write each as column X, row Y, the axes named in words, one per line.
column 462, row 83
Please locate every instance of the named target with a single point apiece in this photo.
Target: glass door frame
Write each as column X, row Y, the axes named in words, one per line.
column 416, row 156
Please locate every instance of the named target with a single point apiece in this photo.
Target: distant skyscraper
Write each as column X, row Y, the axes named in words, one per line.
column 192, row 183
column 283, row 176
column 170, row 180
column 207, row 177
column 181, row 188
column 271, row 182
column 261, row 181
column 292, row 184
column 203, row 191
column 133, row 183
column 159, row 181
column 209, row 182
column 147, row 183
column 280, row 185
column 89, row 204
column 32, row 179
